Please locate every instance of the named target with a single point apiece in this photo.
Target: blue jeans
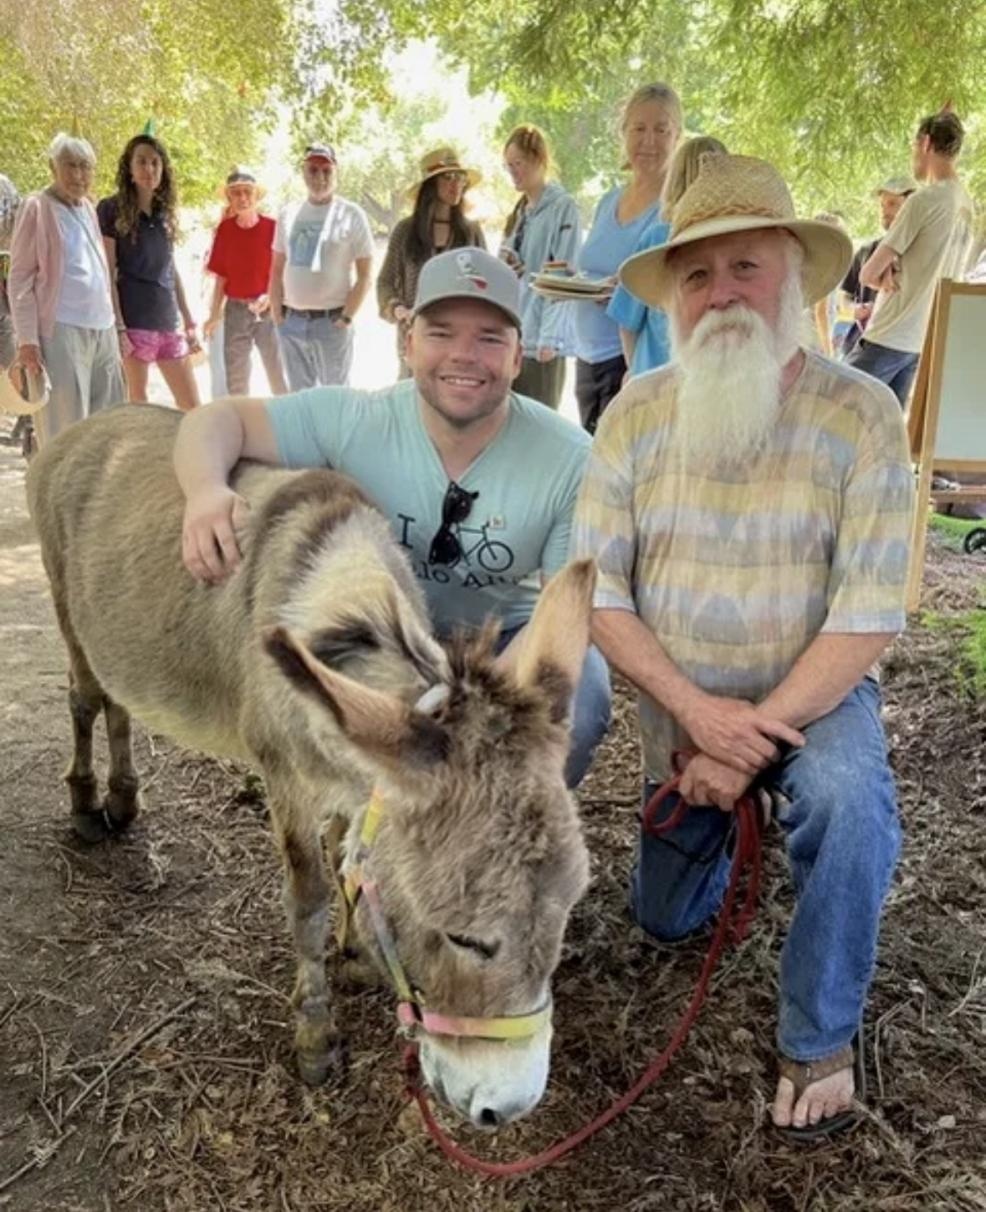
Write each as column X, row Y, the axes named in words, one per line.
column 839, row 815
column 317, row 353
column 589, row 714
column 894, row 367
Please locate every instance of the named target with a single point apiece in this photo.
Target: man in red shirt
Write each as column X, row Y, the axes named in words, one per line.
column 241, row 260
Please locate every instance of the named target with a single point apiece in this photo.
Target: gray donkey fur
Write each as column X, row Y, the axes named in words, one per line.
column 307, row 663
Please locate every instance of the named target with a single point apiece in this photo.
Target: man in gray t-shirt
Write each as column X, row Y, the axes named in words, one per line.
column 929, row 240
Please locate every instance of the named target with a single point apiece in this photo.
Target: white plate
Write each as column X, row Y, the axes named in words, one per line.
column 572, row 296
column 573, row 285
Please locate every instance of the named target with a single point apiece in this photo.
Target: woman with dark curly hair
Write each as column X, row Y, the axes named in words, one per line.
column 139, row 225
column 438, row 222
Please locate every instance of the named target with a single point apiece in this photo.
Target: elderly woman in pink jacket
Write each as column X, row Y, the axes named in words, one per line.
column 60, row 298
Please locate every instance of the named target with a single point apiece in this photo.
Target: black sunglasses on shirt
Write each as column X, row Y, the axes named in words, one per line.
column 456, row 506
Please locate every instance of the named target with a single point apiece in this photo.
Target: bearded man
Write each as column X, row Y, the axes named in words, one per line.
column 749, row 506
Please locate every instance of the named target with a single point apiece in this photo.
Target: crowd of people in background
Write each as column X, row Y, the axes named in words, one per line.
column 746, row 496
column 91, row 299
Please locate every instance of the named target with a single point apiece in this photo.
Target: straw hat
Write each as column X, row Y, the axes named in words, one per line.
column 732, row 194
column 444, row 160
column 21, row 393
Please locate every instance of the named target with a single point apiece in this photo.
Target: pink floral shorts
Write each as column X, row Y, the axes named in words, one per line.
column 151, row 346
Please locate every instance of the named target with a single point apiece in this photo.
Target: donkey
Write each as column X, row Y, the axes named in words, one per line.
column 315, row 662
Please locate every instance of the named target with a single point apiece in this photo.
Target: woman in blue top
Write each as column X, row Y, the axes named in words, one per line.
column 650, row 125
column 543, row 226
column 643, row 329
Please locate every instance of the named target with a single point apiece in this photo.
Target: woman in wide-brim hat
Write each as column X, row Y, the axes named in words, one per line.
column 437, row 222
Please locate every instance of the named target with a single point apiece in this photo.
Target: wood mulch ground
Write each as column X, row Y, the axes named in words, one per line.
column 144, row 1046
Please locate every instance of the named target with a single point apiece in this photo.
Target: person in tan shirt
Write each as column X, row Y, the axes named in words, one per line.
column 929, row 240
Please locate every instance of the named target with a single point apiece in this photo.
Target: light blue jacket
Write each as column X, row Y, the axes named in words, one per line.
column 548, row 231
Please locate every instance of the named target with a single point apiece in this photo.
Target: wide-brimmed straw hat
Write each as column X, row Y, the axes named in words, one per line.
column 444, row 160
column 733, row 194
column 22, row 393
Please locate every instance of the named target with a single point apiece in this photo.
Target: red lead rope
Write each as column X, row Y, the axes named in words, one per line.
column 733, row 922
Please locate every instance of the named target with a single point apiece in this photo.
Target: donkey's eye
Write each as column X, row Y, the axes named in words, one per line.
column 486, row 950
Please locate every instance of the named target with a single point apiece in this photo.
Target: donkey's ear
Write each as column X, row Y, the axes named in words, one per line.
column 549, row 652
column 385, row 729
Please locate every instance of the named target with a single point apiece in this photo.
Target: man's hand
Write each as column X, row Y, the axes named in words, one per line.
column 862, row 312
column 208, row 538
column 29, row 356
column 547, row 354
column 400, row 312
column 736, row 732
column 706, row 781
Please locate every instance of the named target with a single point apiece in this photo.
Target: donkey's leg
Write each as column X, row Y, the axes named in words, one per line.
column 306, row 902
column 123, row 798
column 85, row 700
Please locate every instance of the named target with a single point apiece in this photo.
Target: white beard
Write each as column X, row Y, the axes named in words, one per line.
column 729, row 379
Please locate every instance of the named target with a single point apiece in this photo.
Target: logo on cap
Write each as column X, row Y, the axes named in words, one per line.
column 468, row 270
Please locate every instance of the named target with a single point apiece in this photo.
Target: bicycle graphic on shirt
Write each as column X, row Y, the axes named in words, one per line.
column 491, row 555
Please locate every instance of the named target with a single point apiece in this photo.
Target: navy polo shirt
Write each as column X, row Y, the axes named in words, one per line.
column 145, row 270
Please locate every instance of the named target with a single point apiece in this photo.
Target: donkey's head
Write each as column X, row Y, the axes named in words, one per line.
column 479, row 856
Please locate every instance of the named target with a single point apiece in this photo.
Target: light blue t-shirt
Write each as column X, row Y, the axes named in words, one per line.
column 527, row 480
column 606, row 247
column 653, row 347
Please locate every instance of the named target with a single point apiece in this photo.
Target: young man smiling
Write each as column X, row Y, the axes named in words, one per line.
column 479, row 484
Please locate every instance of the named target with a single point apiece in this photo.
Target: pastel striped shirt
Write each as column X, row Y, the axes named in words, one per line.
column 736, row 572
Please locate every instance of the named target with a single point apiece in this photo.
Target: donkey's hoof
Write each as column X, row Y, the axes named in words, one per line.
column 84, row 795
column 91, row 827
column 121, row 806
column 317, row 1067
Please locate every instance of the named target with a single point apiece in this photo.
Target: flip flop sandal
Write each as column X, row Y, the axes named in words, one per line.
column 802, row 1074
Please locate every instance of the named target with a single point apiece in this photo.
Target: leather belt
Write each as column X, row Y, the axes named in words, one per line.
column 314, row 313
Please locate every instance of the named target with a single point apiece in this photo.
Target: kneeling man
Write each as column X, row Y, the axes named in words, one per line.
column 750, row 507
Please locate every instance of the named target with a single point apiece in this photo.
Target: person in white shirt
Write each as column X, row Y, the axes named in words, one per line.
column 323, row 257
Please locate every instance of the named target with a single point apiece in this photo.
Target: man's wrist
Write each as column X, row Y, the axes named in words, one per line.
column 684, row 701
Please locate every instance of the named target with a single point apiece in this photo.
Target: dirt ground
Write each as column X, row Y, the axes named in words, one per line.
column 144, row 1046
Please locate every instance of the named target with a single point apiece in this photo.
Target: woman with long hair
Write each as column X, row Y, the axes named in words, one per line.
column 650, row 126
column 438, row 222
column 643, row 329
column 543, row 226
column 140, row 225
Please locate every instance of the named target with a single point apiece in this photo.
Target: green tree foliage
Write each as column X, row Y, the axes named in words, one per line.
column 207, row 71
column 830, row 90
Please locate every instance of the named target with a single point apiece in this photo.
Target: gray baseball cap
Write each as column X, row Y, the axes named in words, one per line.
column 469, row 273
